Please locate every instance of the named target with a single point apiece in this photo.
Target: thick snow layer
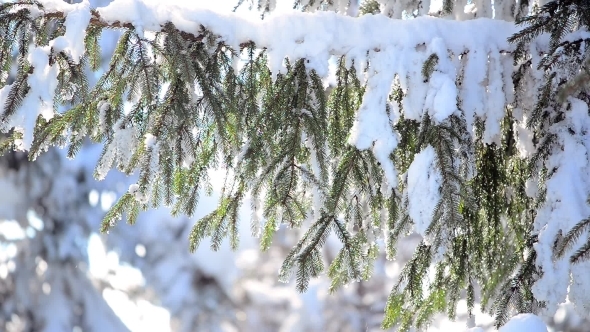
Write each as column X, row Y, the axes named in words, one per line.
column 524, row 323
column 565, row 206
column 309, row 35
column 76, row 22
column 424, row 181
column 372, row 124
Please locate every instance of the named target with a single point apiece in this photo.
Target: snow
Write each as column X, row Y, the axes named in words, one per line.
column 524, row 323
column 424, row 183
column 579, row 290
column 565, row 206
column 441, row 99
column 52, row 6
column 531, row 187
column 372, row 124
column 496, row 100
column 524, row 136
column 133, row 188
column 150, row 141
column 119, row 150
column 103, row 107
column 442, row 96
column 72, row 41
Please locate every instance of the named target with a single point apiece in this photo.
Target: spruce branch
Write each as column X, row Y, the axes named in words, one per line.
column 570, row 239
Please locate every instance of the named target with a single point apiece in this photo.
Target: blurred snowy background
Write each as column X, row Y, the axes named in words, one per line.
column 58, row 274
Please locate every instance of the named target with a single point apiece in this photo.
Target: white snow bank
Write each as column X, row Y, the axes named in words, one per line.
column 524, row 323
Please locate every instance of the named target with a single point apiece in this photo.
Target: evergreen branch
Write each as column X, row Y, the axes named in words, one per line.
column 429, row 66
column 345, row 267
column 581, row 254
column 516, row 292
column 17, row 93
column 125, row 203
column 569, row 240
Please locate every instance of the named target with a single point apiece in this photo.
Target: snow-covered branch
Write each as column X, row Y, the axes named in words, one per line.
column 313, row 36
column 365, row 126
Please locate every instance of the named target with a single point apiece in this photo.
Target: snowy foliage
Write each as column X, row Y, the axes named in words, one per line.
column 435, row 117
